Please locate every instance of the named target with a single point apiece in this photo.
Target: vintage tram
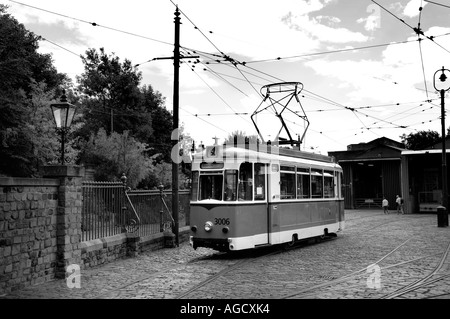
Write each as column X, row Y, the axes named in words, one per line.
column 244, row 197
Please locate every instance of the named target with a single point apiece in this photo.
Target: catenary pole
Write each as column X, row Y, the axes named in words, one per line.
column 175, row 133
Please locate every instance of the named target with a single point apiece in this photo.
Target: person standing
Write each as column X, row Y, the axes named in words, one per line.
column 399, row 202
column 385, row 205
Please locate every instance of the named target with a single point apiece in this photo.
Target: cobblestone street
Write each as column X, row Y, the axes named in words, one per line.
column 377, row 256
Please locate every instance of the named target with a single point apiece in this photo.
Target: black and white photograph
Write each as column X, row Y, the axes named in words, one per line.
column 224, row 158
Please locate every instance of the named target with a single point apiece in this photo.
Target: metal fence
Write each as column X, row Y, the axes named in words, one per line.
column 110, row 209
column 154, row 209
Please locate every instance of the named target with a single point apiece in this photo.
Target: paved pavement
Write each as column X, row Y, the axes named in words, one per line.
column 377, row 256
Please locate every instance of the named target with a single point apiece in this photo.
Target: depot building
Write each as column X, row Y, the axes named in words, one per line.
column 385, row 168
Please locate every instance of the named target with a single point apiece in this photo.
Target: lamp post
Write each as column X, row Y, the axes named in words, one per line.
column 63, row 113
column 442, row 86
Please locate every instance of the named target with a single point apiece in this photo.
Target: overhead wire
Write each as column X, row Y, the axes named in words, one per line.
column 416, row 30
column 204, row 120
column 228, row 59
column 94, row 24
column 218, row 75
column 439, row 4
column 333, row 102
column 329, row 52
column 420, row 50
column 61, row 47
column 218, row 95
column 235, row 63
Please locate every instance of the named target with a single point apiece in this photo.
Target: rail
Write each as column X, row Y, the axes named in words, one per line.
column 368, row 202
column 109, row 208
column 101, row 214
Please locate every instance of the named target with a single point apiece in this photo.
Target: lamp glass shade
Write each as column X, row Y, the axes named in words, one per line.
column 63, row 114
column 441, row 81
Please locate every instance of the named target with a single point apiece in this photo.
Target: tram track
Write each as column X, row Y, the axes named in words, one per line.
column 419, row 283
column 182, row 267
column 354, row 276
column 115, row 291
column 371, row 228
column 156, row 274
column 279, row 249
column 231, row 268
column 215, row 271
column 422, row 281
column 345, row 277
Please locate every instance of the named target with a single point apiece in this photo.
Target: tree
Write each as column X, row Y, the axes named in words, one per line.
column 420, row 140
column 40, row 127
column 115, row 154
column 22, row 70
column 113, row 100
column 112, row 88
column 241, row 137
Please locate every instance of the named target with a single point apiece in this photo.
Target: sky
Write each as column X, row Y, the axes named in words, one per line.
column 363, row 70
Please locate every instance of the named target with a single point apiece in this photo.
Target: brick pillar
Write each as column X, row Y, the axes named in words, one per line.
column 133, row 244
column 68, row 215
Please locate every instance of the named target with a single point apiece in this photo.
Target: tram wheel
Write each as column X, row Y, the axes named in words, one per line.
column 293, row 241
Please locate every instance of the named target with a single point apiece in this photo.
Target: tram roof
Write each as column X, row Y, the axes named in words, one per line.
column 265, row 152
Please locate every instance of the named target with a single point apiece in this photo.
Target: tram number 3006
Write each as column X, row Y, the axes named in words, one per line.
column 221, row 221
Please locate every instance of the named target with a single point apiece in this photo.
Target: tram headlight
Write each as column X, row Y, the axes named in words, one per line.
column 208, row 226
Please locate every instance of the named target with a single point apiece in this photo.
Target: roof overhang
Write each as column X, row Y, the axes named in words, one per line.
column 371, row 159
column 421, row 152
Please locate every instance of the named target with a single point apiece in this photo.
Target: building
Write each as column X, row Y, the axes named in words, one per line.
column 422, row 171
column 372, row 170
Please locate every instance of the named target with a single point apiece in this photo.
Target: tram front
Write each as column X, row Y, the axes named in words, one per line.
column 228, row 208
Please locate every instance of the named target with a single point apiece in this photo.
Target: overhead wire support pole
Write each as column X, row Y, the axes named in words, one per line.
column 443, row 86
column 175, row 132
column 444, row 153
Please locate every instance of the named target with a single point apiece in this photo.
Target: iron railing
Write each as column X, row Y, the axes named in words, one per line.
column 153, row 208
column 109, row 208
column 101, row 214
column 368, row 202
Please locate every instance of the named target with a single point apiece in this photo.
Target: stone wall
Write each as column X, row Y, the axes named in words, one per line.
column 40, row 230
column 28, row 231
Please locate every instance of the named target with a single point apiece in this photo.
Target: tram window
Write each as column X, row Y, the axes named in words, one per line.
column 287, row 185
column 337, row 183
column 260, row 181
column 231, row 177
column 303, row 183
column 245, row 181
column 211, row 187
column 328, row 184
column 194, row 191
column 316, row 183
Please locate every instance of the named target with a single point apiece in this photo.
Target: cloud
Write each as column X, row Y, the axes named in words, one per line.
column 372, row 22
column 412, row 8
column 59, row 33
column 330, row 21
column 315, row 29
column 397, row 73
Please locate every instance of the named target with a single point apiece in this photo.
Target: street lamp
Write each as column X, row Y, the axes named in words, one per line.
column 442, row 86
column 63, row 113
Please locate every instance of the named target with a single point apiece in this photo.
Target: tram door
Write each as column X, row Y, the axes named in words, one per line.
column 273, row 196
column 261, row 194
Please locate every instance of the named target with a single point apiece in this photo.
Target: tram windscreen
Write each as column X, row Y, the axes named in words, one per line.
column 194, row 192
column 210, row 186
column 231, row 180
